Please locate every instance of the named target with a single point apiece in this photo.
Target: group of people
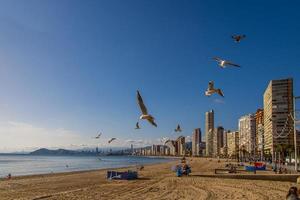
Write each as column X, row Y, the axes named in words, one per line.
column 183, row 168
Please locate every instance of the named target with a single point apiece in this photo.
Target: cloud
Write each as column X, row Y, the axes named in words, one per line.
column 16, row 136
column 138, row 142
column 188, row 138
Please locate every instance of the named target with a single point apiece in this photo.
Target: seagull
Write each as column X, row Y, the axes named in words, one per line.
column 143, row 108
column 225, row 63
column 98, row 136
column 238, row 38
column 210, row 90
column 137, row 125
column 178, row 129
column 167, row 141
column 164, row 139
column 112, row 139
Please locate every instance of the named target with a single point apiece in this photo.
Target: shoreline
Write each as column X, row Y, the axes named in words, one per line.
column 17, row 177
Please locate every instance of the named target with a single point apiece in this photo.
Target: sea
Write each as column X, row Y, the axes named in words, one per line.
column 18, row 165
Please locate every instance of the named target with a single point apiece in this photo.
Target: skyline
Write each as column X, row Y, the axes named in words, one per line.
column 70, row 69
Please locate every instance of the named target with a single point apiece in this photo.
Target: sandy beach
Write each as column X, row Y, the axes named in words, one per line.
column 156, row 182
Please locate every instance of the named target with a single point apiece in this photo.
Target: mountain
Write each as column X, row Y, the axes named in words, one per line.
column 65, row 152
column 60, row 152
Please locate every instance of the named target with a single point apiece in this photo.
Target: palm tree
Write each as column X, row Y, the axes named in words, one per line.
column 279, row 148
column 288, row 149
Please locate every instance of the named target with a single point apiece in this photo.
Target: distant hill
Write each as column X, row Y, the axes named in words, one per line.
column 65, row 152
column 60, row 152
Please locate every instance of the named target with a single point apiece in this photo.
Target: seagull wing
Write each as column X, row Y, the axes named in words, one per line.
column 219, row 91
column 141, row 104
column 112, row 139
column 232, row 64
column 217, row 59
column 152, row 122
column 98, row 136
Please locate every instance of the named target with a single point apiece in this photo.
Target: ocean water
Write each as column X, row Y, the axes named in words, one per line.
column 27, row 165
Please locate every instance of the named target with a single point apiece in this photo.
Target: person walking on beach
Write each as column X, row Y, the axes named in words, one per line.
column 292, row 194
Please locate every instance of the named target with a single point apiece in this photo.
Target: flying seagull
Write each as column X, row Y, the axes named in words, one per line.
column 238, row 38
column 211, row 90
column 143, row 108
column 112, row 139
column 225, row 63
column 178, row 129
column 164, row 139
column 137, row 126
column 98, row 136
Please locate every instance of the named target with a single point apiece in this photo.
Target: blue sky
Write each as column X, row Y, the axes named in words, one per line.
column 69, row 68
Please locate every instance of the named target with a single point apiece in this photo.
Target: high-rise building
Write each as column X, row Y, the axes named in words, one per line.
column 181, row 145
column 196, row 140
column 233, row 144
column 131, row 148
column 218, row 136
column 154, row 150
column 202, row 148
column 225, row 138
column 259, row 121
column 224, row 149
column 209, row 130
column 162, row 150
column 167, row 151
column 278, row 106
column 173, row 146
column 247, row 132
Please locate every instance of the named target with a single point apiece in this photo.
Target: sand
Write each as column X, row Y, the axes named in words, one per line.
column 155, row 182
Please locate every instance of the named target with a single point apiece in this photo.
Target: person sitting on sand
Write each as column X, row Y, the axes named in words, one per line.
column 9, row 176
column 186, row 169
column 292, row 194
column 183, row 160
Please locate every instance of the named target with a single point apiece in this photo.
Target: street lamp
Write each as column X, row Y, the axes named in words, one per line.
column 295, row 133
column 293, row 117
